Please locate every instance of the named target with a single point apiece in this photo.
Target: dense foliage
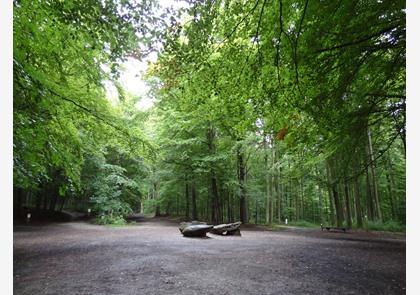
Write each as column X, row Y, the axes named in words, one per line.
column 265, row 110
column 63, row 52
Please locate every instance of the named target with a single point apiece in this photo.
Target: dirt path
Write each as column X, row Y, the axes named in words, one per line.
column 153, row 258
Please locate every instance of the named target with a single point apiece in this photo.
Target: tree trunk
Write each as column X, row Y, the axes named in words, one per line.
column 229, row 208
column 18, row 194
column 45, row 193
column 63, row 202
column 242, row 192
column 209, row 200
column 369, row 205
column 333, row 213
column 215, row 206
column 156, row 197
column 338, row 207
column 348, row 209
column 38, row 201
column 194, row 201
column 187, row 201
column 359, row 218
column 54, row 198
column 272, row 184
column 268, row 217
column 302, row 196
column 279, row 196
column 177, row 204
column 390, row 187
column 168, row 208
column 374, row 184
column 256, row 211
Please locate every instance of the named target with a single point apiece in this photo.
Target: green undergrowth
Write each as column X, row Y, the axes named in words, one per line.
column 297, row 223
column 114, row 220
column 303, row 223
column 391, row 226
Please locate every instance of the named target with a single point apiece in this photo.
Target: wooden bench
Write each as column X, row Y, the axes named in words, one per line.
column 328, row 228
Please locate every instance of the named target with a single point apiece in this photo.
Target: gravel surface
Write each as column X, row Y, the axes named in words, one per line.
column 152, row 257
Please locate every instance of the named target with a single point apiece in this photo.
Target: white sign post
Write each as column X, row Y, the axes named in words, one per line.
column 285, row 221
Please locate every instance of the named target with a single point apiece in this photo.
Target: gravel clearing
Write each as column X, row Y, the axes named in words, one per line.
column 152, row 257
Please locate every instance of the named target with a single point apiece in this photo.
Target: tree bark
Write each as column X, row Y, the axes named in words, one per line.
column 333, row 213
column 156, row 197
column 268, row 216
column 338, row 207
column 194, row 201
column 187, row 201
column 390, row 186
column 63, row 202
column 369, row 205
column 215, row 206
column 279, row 196
column 272, row 184
column 359, row 218
column 242, row 191
column 374, row 184
column 215, row 216
column 348, row 209
column 18, row 194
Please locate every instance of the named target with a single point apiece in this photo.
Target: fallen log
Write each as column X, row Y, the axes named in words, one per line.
column 183, row 225
column 229, row 229
column 194, row 229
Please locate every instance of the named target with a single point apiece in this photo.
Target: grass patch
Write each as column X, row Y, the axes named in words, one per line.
column 303, row 223
column 392, row 226
column 297, row 223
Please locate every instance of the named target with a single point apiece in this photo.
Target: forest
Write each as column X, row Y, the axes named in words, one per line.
column 265, row 112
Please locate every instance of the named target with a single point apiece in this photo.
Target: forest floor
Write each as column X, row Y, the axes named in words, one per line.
column 152, row 257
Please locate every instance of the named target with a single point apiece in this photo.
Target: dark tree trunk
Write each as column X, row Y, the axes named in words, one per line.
column 338, row 208
column 187, row 201
column 215, row 215
column 63, row 201
column 256, row 211
column 333, row 213
column 278, row 194
column 215, row 206
column 209, row 200
column 38, row 201
column 177, row 205
column 348, row 209
column 156, row 197
column 374, row 183
column 54, row 198
column 45, row 195
column 369, row 205
column 18, row 193
column 168, row 208
column 359, row 219
column 194, row 201
column 390, row 187
column 269, row 198
column 242, row 192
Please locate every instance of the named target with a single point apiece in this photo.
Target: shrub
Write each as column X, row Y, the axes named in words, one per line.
column 110, row 219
